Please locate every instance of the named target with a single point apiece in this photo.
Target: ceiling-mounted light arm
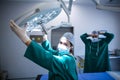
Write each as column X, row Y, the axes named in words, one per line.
column 70, row 5
column 67, row 10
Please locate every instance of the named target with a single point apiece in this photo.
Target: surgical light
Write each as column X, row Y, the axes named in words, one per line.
column 41, row 15
column 35, row 20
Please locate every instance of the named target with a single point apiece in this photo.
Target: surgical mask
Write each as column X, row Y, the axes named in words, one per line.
column 98, row 39
column 63, row 49
column 95, row 39
column 101, row 36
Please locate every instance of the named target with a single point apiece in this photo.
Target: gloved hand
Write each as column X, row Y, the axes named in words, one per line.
column 44, row 36
column 20, row 32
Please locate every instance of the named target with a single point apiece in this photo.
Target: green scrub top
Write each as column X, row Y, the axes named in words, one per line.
column 96, row 54
column 61, row 67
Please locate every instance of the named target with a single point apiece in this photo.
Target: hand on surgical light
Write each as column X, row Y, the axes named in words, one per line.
column 20, row 32
column 45, row 37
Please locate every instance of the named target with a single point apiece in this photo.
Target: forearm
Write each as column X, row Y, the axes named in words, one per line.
column 109, row 37
column 84, row 37
column 47, row 46
column 39, row 55
column 27, row 43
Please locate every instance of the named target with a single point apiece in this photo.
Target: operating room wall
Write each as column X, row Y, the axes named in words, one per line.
column 84, row 17
column 87, row 18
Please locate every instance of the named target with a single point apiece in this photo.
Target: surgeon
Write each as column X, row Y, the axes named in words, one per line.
column 96, row 51
column 60, row 63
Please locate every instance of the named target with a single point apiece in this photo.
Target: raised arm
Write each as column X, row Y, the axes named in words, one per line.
column 47, row 46
column 34, row 52
column 39, row 55
column 84, row 37
column 109, row 37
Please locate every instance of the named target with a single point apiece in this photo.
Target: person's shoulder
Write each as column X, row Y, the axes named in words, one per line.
column 68, row 57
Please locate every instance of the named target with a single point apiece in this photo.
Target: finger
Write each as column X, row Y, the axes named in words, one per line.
column 13, row 23
column 12, row 26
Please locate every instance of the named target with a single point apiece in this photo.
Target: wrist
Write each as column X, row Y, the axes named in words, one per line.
column 27, row 43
